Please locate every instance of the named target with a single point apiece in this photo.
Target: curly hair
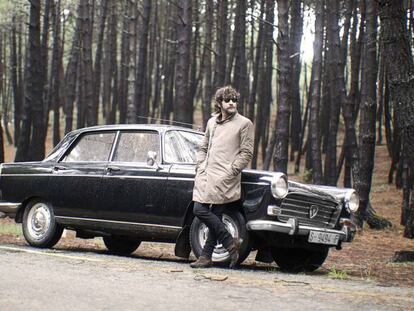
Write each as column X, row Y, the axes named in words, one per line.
column 223, row 93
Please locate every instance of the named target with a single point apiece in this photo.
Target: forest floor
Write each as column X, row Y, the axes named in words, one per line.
column 369, row 257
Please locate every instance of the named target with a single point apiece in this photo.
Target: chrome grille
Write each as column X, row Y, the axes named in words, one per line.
column 298, row 205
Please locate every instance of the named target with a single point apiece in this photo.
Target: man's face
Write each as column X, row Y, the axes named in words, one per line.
column 229, row 105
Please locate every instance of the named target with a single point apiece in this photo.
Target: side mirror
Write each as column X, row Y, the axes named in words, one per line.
column 151, row 158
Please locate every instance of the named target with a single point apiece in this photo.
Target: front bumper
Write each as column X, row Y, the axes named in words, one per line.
column 291, row 227
column 8, row 209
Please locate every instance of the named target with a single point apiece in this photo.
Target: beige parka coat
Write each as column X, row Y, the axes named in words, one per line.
column 226, row 150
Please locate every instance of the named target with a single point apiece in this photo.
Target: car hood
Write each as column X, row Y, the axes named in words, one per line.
column 327, row 192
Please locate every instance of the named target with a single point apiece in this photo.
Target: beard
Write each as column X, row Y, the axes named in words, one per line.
column 229, row 111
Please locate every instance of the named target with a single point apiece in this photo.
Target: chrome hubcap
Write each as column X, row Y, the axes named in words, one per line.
column 220, row 253
column 39, row 219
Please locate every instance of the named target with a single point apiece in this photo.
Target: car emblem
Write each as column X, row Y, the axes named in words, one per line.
column 313, row 211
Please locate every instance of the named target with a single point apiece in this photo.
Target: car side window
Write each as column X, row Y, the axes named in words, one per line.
column 181, row 146
column 94, row 147
column 134, row 146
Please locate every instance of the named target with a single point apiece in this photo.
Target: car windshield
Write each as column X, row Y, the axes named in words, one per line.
column 181, row 146
column 60, row 147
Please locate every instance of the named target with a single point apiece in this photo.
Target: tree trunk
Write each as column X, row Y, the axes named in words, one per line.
column 184, row 110
column 368, row 109
column 125, row 58
column 159, row 46
column 90, row 102
column 314, row 130
column 350, row 7
column 258, row 59
column 17, row 96
column 281, row 132
column 1, row 144
column 80, row 97
column 169, row 65
column 295, row 40
column 195, row 40
column 335, row 74
column 351, row 145
column 387, row 114
column 231, row 45
column 97, row 69
column 33, row 114
column 72, row 74
column 399, row 64
column 207, row 54
column 132, row 66
column 110, row 86
column 265, row 83
column 55, row 77
column 2, row 75
column 306, row 96
column 45, row 61
column 221, row 48
column 240, row 78
column 2, row 93
column 380, row 96
column 142, row 105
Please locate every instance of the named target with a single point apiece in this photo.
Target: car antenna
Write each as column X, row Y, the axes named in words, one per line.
column 170, row 121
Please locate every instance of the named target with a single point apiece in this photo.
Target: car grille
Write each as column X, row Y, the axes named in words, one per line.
column 298, row 205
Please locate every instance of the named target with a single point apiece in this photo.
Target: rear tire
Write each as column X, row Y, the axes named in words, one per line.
column 119, row 245
column 295, row 260
column 235, row 224
column 39, row 225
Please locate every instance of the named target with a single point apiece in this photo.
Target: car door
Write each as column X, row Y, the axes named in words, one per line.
column 132, row 190
column 180, row 150
column 77, row 176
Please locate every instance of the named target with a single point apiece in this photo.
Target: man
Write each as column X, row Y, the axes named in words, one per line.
column 226, row 150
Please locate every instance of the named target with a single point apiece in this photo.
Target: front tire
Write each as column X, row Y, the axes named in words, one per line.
column 297, row 260
column 234, row 223
column 119, row 245
column 40, row 228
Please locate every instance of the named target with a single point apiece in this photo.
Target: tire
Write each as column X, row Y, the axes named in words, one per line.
column 235, row 224
column 39, row 225
column 297, row 260
column 119, row 245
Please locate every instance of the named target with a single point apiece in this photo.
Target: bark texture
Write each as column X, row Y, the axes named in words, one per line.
column 31, row 136
column 281, row 134
column 400, row 74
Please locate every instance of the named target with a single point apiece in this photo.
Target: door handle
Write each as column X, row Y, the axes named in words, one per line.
column 113, row 169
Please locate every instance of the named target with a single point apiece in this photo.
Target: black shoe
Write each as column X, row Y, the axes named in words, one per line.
column 233, row 250
column 202, row 262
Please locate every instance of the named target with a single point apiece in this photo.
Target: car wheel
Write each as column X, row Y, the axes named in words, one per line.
column 235, row 224
column 297, row 260
column 39, row 225
column 119, row 245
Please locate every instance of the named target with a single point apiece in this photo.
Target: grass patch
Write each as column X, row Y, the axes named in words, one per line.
column 272, row 270
column 337, row 274
column 11, row 228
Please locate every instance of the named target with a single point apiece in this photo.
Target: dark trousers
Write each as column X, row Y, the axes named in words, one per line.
column 210, row 215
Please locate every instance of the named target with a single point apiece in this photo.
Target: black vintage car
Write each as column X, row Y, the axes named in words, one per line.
column 133, row 183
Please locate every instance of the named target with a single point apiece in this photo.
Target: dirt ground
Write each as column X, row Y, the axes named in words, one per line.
column 371, row 253
column 368, row 257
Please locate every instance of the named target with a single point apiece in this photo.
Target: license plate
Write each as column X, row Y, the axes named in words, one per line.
column 323, row 238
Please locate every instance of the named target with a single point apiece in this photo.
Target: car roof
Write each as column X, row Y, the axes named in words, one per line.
column 156, row 127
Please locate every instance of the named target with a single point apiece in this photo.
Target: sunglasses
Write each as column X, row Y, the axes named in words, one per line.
column 234, row 99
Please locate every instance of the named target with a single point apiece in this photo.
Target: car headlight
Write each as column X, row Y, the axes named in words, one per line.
column 352, row 200
column 279, row 185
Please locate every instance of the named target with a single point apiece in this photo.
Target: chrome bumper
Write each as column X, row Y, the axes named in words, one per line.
column 291, row 227
column 8, row 209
